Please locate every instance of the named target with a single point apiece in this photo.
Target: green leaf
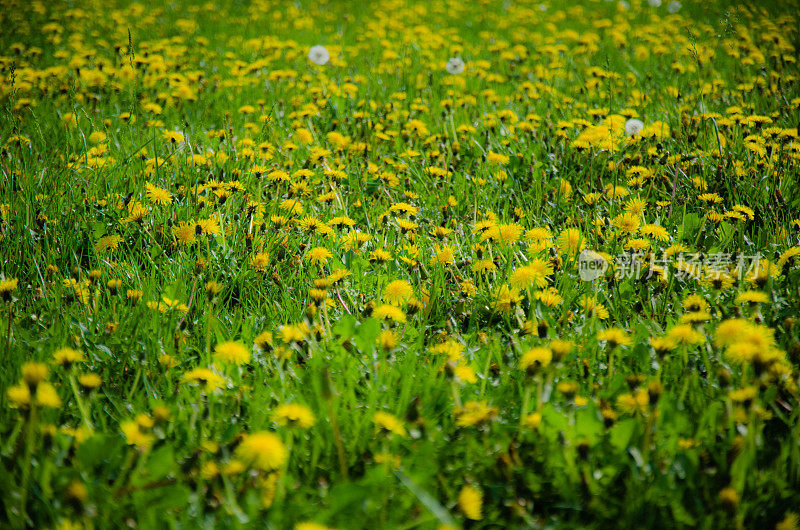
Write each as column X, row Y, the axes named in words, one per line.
column 727, row 231
column 172, row 497
column 620, row 434
column 427, row 500
column 616, row 385
column 98, row 230
column 160, row 463
column 688, row 230
column 553, row 421
column 348, row 496
column 366, row 334
column 106, row 351
column 345, row 328
column 681, row 515
column 588, row 424
column 99, row 449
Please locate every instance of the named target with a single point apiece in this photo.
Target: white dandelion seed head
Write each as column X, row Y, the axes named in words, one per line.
column 654, row 3
column 624, row 5
column 633, row 127
column 674, row 6
column 319, row 55
column 455, row 65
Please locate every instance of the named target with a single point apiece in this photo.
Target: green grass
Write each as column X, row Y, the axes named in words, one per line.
column 677, row 408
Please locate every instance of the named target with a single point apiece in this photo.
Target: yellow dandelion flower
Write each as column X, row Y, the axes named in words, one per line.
column 158, row 195
column 444, row 255
column 135, row 435
column 259, row 261
column 397, row 292
column 34, row 373
column 685, row 334
column 615, row 337
column 534, row 273
column 318, row 256
column 7, row 287
column 752, row 297
column 262, row 450
column 470, row 502
column 389, row 312
column 389, row 424
column 90, row 380
column 232, row 352
column 571, row 241
column 294, row 415
column 66, row 357
column 475, row 413
column 108, row 243
column 506, row 299
column 535, row 359
column 185, row 233
column 19, row 395
column 209, row 380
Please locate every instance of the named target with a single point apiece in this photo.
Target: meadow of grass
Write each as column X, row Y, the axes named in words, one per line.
column 242, row 289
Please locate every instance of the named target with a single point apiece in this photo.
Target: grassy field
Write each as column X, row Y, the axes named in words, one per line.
column 478, row 264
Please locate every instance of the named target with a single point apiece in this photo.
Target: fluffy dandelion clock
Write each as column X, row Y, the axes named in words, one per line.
column 455, row 65
column 674, row 6
column 633, row 127
column 654, row 3
column 319, row 55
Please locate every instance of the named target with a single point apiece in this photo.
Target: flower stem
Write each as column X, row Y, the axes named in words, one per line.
column 8, row 330
column 526, row 397
column 79, row 401
column 26, row 466
column 282, row 477
column 337, row 437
